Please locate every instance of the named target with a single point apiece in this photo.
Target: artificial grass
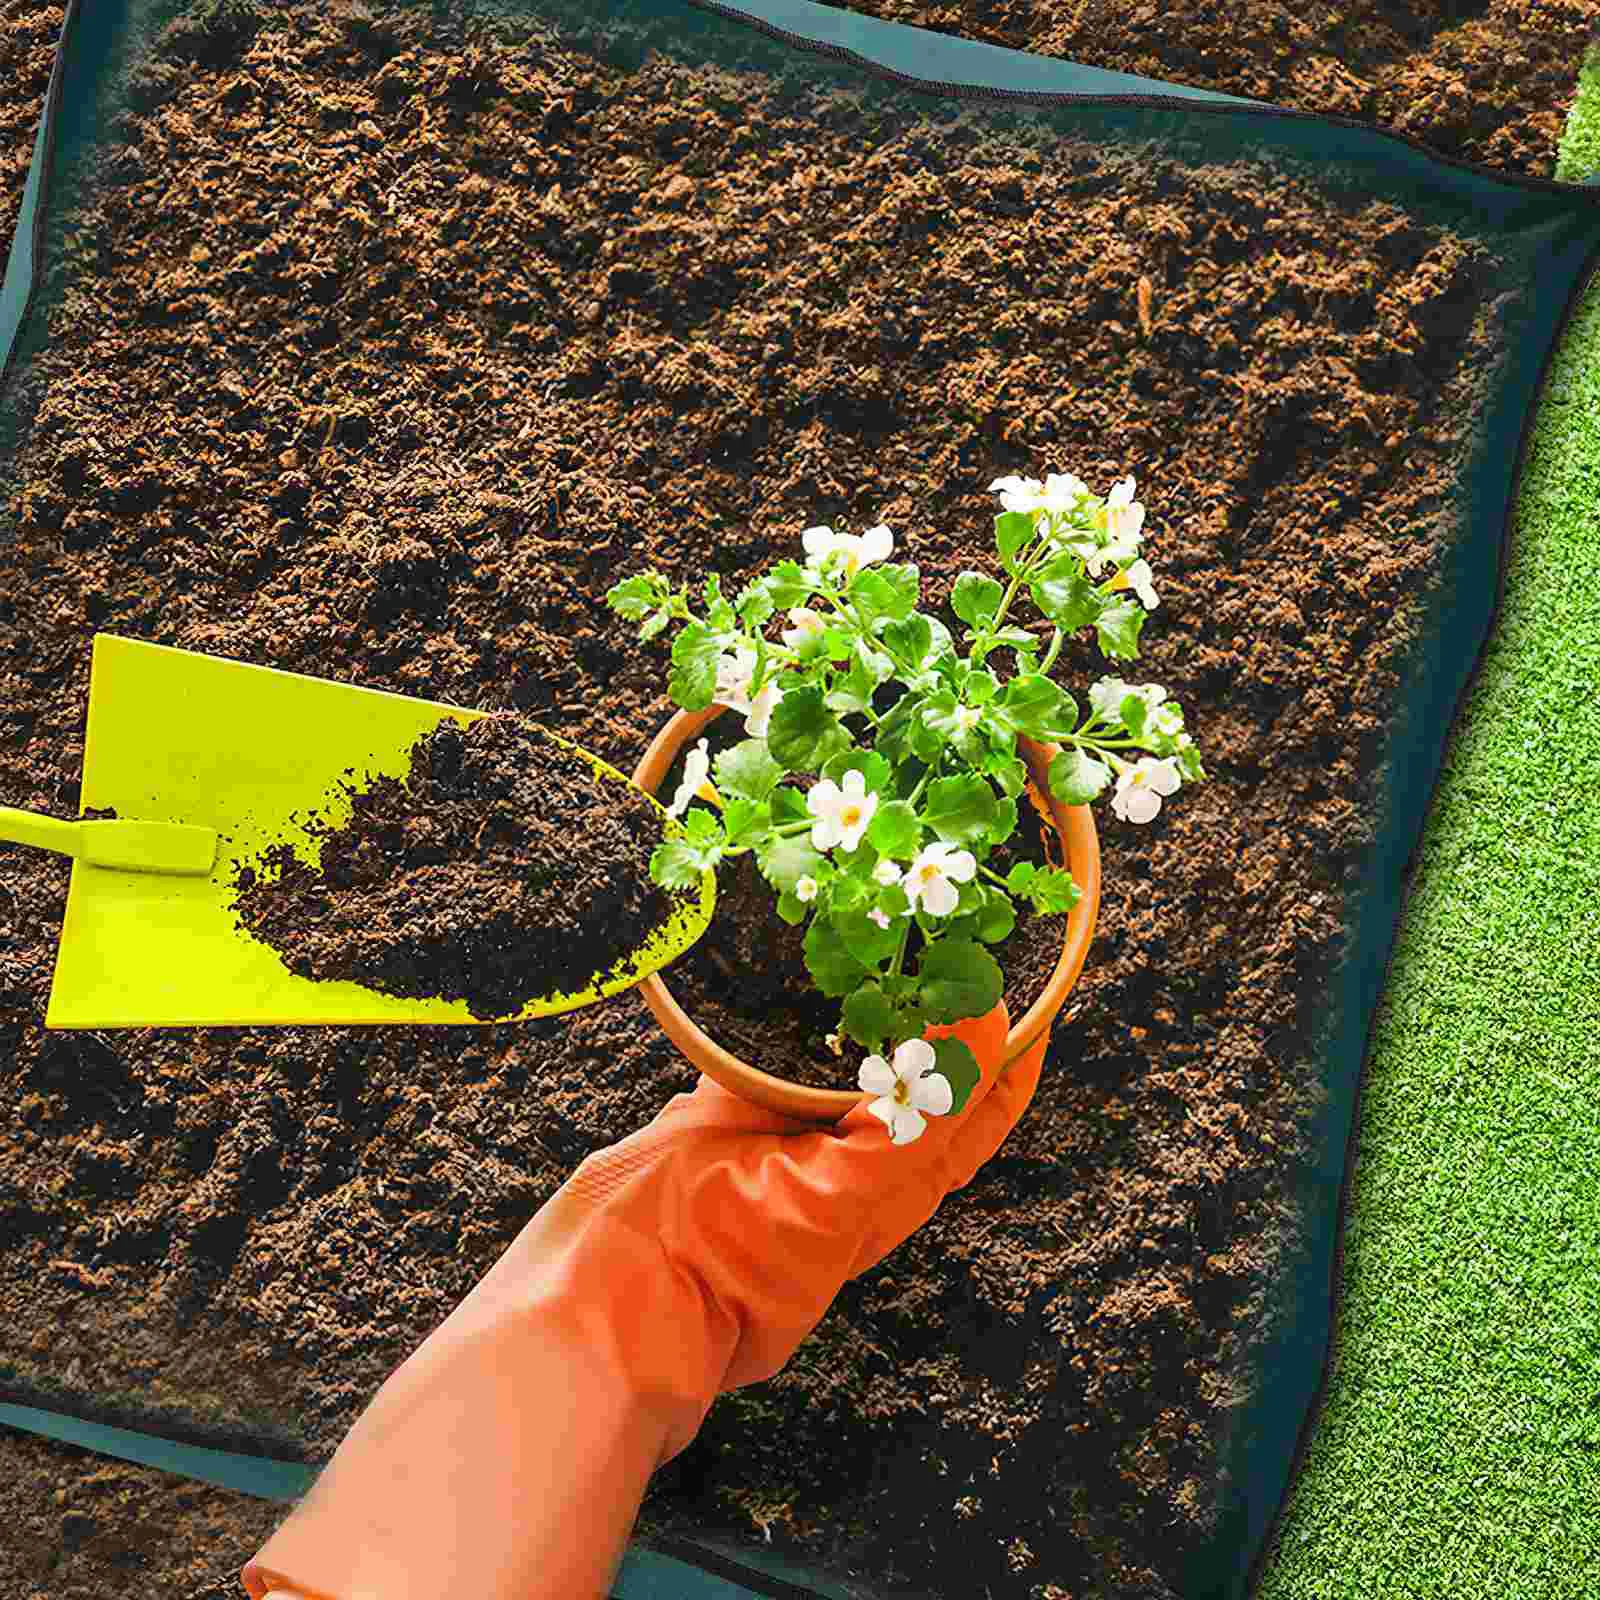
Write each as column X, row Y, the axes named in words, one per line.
column 1458, row 1453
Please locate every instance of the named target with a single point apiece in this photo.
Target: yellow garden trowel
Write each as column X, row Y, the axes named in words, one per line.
column 207, row 762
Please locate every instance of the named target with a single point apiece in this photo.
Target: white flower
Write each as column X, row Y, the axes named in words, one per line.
column 807, row 624
column 735, row 674
column 1137, row 577
column 1124, row 514
column 806, row 889
column 1141, row 786
column 860, row 549
column 842, row 814
column 906, row 1090
column 880, row 917
column 1107, row 696
column 1168, row 720
column 933, row 877
column 1096, row 555
column 696, row 769
column 968, row 718
column 1056, row 496
column 886, row 872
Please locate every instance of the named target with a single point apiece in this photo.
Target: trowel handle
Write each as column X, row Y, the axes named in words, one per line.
column 31, row 827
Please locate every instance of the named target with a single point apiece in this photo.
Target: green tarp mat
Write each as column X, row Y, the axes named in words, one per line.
column 1356, row 300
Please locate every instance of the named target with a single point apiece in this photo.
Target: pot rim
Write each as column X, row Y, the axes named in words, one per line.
column 1080, row 840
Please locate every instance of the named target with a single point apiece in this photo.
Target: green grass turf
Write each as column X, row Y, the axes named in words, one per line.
column 1458, row 1454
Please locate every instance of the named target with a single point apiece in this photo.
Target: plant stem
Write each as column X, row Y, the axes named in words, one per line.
column 1051, row 654
column 900, row 952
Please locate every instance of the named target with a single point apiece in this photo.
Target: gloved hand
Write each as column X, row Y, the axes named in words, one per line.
column 507, row 1457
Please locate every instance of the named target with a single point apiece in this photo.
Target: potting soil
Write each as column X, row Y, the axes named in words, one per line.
column 497, row 870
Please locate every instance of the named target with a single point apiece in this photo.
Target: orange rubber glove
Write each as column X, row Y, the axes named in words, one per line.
column 507, row 1457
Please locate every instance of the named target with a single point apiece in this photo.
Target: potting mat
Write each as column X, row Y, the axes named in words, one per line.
column 376, row 342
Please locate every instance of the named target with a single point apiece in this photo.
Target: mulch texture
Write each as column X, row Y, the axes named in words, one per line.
column 386, row 352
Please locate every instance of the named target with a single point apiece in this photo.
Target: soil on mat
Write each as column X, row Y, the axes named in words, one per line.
column 391, row 380
column 744, row 980
column 499, row 869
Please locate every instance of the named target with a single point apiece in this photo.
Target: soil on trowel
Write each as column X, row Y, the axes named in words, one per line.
column 498, row 869
column 745, row 984
column 382, row 351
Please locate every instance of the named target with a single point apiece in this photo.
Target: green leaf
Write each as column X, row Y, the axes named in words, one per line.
column 754, row 603
column 851, row 693
column 1021, row 875
column 703, row 829
column 1002, row 739
column 976, row 597
column 1119, row 630
column 875, row 770
column 743, row 819
column 833, row 969
column 1005, row 821
column 1012, row 530
column 758, row 681
column 784, row 862
column 849, row 893
column 959, row 809
column 980, row 687
column 863, row 938
column 997, row 918
column 719, row 613
column 1064, row 594
column 747, row 770
column 1052, row 890
column 892, row 902
column 911, row 639
column 653, row 625
column 789, row 584
column 939, row 716
column 634, row 596
column 1032, row 704
column 1189, row 762
column 788, row 805
column 878, row 665
column 926, row 742
column 868, row 1017
column 872, row 595
column 943, row 644
column 953, row 1059
column 1008, row 771
column 693, row 682
column 803, row 733
column 792, row 908
column 959, row 979
column 892, row 735
column 1019, row 637
column 895, row 830
column 1076, row 778
column 905, row 582
column 676, row 864
column 1133, row 711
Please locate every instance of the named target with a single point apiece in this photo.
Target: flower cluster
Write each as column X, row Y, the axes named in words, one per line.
column 897, row 825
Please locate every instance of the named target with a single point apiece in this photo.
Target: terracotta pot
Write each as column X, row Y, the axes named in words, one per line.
column 1080, row 842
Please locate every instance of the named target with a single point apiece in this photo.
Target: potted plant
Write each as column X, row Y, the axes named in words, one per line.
column 901, row 815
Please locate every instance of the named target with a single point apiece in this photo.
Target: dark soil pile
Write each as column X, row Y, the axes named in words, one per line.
column 745, row 984
column 382, row 354
column 498, row 870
